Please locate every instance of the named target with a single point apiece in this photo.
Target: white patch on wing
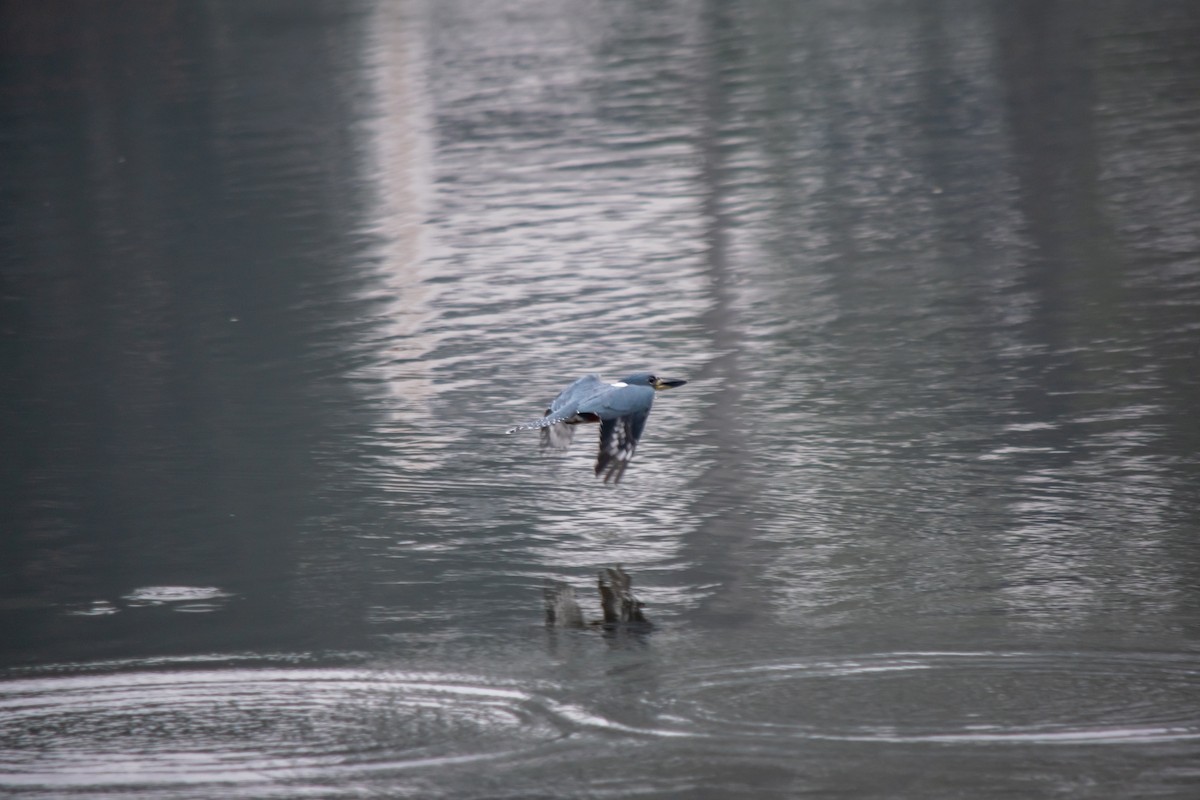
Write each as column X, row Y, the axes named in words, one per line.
column 619, row 384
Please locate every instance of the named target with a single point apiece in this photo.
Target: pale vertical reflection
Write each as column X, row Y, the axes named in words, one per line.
column 872, row 214
column 399, row 176
column 566, row 197
column 725, row 496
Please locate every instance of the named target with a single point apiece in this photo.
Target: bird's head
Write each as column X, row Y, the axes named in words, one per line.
column 649, row 379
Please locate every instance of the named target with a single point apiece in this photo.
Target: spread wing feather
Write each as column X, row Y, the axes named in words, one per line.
column 557, row 436
column 618, row 441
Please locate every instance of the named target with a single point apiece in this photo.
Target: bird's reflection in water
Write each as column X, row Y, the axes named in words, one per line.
column 622, row 611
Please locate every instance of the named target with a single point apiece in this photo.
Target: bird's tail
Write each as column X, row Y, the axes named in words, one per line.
column 540, row 422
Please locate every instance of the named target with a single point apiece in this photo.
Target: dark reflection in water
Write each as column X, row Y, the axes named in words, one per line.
column 183, row 311
column 275, row 278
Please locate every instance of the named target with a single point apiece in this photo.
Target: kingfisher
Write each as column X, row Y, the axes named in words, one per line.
column 621, row 408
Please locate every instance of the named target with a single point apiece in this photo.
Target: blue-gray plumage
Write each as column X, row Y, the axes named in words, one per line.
column 621, row 409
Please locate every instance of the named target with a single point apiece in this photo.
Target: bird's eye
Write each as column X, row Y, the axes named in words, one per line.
column 653, row 379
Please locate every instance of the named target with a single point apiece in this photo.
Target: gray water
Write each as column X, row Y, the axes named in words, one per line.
column 276, row 277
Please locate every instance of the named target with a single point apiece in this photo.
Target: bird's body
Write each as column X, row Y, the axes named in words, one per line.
column 621, row 408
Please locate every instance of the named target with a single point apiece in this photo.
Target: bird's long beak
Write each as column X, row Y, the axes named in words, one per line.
column 668, row 383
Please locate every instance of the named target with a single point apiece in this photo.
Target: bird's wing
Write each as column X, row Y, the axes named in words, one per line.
column 577, row 392
column 565, row 406
column 618, row 439
column 622, row 411
column 561, row 408
column 557, row 436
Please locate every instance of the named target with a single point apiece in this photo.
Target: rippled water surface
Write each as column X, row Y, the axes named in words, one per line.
column 276, row 278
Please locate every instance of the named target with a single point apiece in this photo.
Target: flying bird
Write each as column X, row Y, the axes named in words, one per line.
column 621, row 408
